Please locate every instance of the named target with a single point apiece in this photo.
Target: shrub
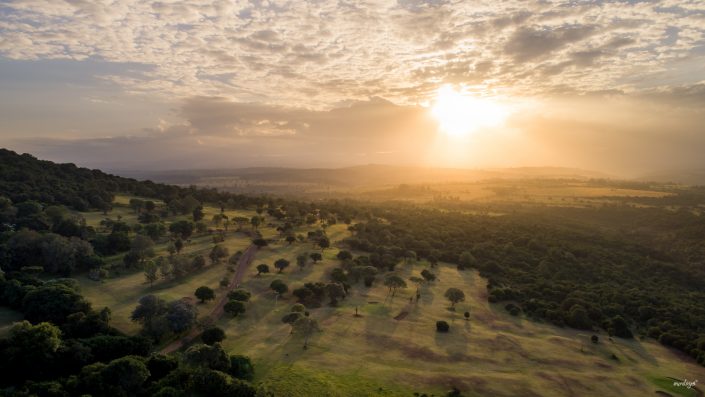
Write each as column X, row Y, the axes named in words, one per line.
column 442, row 326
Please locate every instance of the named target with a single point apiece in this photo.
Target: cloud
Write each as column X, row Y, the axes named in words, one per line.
column 216, row 132
column 294, row 53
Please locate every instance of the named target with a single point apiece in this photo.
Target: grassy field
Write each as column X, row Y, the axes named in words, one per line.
column 492, row 354
column 377, row 355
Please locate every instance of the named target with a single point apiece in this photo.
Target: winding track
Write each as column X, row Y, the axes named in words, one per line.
column 217, row 311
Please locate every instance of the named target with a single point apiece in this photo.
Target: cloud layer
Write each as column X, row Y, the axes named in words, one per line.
column 314, row 54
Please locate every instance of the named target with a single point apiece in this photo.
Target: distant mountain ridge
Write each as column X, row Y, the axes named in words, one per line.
column 367, row 175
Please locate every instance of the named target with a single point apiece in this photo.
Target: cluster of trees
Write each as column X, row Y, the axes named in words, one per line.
column 65, row 348
column 312, row 294
column 160, row 319
column 236, row 302
column 552, row 271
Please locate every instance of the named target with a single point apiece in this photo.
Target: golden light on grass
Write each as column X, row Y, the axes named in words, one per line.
column 460, row 115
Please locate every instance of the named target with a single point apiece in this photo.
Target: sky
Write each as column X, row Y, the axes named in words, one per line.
column 612, row 86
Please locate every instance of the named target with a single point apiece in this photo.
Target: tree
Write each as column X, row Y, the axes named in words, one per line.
column 620, row 328
column 181, row 316
column 281, row 264
column 394, row 282
column 262, row 268
column 290, row 239
column 217, row 253
column 454, row 295
column 240, row 221
column 335, row 292
column 154, row 230
column 53, row 303
column 136, row 205
column 466, row 259
column 260, row 242
column 182, row 229
column 128, row 373
column 578, row 317
column 324, row 243
column 32, row 344
column 279, row 287
column 292, row 317
column 198, row 214
column 442, row 326
column 205, row 356
column 148, row 308
column 306, row 326
column 198, row 261
column 212, row 335
column 255, row 221
column 344, row 255
column 142, row 248
column 204, row 294
column 594, row 339
column 234, row 308
column 338, row 275
column 427, row 275
column 217, row 219
column 150, row 272
column 316, row 256
column 239, row 295
column 179, row 245
column 416, row 280
column 241, row 367
column 301, row 260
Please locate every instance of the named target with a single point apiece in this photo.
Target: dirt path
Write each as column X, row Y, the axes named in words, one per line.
column 242, row 265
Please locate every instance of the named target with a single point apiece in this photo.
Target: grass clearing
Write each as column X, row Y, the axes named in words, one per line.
column 492, row 354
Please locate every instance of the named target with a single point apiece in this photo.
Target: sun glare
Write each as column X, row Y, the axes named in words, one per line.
column 460, row 115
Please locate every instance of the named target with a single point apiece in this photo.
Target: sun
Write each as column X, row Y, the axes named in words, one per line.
column 460, row 115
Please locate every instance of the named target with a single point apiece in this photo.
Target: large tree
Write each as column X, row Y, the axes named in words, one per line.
column 281, row 264
column 454, row 295
column 394, row 282
column 204, row 293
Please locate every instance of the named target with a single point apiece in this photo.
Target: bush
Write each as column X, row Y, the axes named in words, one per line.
column 241, row 367
column 213, row 335
column 239, row 295
column 513, row 309
column 442, row 326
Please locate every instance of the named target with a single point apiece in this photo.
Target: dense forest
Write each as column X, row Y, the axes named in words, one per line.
column 542, row 262
column 630, row 271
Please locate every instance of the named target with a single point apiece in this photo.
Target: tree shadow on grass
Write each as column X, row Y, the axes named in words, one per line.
column 454, row 342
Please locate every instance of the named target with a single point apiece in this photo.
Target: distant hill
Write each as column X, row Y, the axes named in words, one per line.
column 373, row 175
column 23, row 177
column 686, row 177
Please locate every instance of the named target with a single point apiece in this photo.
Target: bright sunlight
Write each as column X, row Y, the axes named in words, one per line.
column 460, row 115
